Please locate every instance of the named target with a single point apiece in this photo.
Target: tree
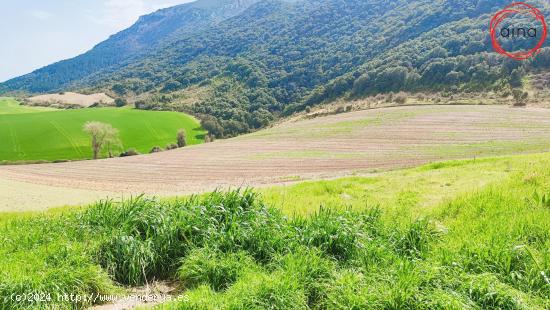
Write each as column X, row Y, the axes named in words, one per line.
column 516, row 78
column 212, row 125
column 181, row 138
column 520, row 97
column 120, row 102
column 119, row 89
column 101, row 134
column 112, row 140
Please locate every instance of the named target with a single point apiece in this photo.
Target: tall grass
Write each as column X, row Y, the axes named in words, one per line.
column 485, row 249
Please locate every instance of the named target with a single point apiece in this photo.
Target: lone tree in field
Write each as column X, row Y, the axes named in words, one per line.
column 102, row 135
column 112, row 140
column 181, row 138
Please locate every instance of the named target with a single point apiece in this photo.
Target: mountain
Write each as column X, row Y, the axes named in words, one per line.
column 241, row 64
column 148, row 33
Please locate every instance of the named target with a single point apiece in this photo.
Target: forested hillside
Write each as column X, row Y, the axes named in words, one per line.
column 246, row 65
column 150, row 32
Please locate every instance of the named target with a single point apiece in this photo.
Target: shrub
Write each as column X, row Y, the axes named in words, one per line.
column 129, row 152
column 213, row 126
column 120, row 102
column 156, row 149
column 181, row 138
column 171, row 146
column 400, row 98
column 389, row 97
column 139, row 104
column 520, row 97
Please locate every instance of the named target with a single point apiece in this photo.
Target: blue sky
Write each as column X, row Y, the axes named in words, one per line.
column 36, row 33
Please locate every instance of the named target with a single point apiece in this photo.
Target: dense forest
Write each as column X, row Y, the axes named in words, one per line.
column 241, row 64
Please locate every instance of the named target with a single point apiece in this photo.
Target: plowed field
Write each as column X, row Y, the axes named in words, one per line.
column 337, row 145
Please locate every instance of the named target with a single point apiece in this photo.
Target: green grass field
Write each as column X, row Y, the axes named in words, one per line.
column 451, row 235
column 34, row 134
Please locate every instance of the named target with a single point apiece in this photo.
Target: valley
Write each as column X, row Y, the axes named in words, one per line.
column 354, row 143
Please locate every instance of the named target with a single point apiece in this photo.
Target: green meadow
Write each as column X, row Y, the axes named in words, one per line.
column 451, row 235
column 12, row 106
column 41, row 134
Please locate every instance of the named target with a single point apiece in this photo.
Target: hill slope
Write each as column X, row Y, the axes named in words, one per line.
column 35, row 134
column 262, row 59
column 147, row 34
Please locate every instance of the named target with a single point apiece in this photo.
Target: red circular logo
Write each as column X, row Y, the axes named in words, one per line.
column 518, row 8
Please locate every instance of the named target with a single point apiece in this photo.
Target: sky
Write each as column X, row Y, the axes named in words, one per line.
column 36, row 33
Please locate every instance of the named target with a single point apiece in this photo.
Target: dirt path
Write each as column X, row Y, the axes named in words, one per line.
column 350, row 143
column 141, row 297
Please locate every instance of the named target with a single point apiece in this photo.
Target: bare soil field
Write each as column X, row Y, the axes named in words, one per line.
column 72, row 99
column 353, row 143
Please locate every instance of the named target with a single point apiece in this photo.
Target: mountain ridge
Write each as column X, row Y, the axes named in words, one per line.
column 146, row 34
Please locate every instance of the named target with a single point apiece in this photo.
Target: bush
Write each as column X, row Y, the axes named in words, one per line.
column 181, row 138
column 400, row 98
column 213, row 126
column 120, row 102
column 129, row 152
column 520, row 97
column 155, row 149
column 171, row 146
column 389, row 97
